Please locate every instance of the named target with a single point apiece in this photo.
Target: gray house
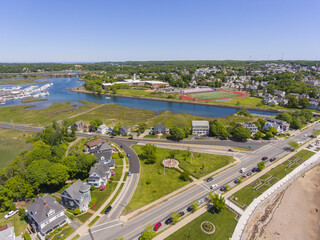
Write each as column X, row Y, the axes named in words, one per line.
column 160, row 128
column 76, row 196
column 78, row 125
column 125, row 131
column 45, row 214
column 99, row 175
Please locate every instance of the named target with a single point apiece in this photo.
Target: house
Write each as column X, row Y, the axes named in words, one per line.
column 252, row 127
column 86, row 127
column 200, row 128
column 313, row 105
column 156, row 84
column 94, row 144
column 99, row 175
column 280, row 94
column 76, row 196
column 102, row 129
column 8, row 234
column 45, row 214
column 160, row 128
column 125, row 131
column 103, row 152
column 78, row 125
column 280, row 125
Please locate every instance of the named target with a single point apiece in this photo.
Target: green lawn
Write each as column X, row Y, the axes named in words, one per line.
column 246, row 195
column 212, row 95
column 84, row 217
column 56, row 111
column 145, row 93
column 153, row 184
column 118, row 172
column 64, row 234
column 118, row 160
column 112, row 113
column 114, row 198
column 224, row 223
column 20, row 226
column 12, row 142
column 102, row 196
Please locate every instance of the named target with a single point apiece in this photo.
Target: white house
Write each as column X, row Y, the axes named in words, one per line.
column 280, row 125
column 102, row 129
column 200, row 128
column 252, row 127
column 99, row 175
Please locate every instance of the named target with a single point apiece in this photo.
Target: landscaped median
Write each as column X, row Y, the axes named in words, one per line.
column 156, row 181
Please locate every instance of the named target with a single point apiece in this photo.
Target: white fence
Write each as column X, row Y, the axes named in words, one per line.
column 297, row 172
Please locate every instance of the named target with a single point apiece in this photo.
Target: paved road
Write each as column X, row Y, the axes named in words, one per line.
column 131, row 230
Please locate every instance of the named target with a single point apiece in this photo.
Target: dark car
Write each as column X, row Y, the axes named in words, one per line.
column 223, row 189
column 189, row 209
column 111, row 136
column 209, row 179
column 249, row 174
column 129, row 174
column 168, row 221
column 230, row 150
column 128, row 155
column 181, row 213
column 255, row 169
column 236, row 181
column 272, row 159
column 265, row 158
column 131, row 137
column 107, row 210
column 121, row 146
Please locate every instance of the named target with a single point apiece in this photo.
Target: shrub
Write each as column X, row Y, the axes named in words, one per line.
column 92, row 187
column 76, row 211
column 92, row 202
column 27, row 236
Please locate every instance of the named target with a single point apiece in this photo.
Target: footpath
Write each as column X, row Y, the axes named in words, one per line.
column 228, row 194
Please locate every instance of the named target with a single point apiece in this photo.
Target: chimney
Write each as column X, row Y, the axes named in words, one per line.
column 46, row 203
column 38, row 196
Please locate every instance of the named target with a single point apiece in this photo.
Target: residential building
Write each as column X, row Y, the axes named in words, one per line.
column 86, row 127
column 78, row 125
column 251, row 126
column 45, row 214
column 76, row 196
column 125, row 131
column 280, row 125
column 94, row 144
column 156, row 84
column 99, row 175
column 102, row 129
column 280, row 94
column 160, row 129
column 200, row 128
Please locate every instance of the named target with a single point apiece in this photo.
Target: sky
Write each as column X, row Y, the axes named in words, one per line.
column 118, row 30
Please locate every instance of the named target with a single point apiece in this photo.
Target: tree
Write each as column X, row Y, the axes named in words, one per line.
column 285, row 117
column 94, row 124
column 149, row 153
column 261, row 165
column 293, row 144
column 37, row 173
column 217, row 128
column 141, row 128
column 262, row 122
column 116, row 129
column 177, row 134
column 258, row 135
column 194, row 206
column 218, row 201
column 273, row 131
column 304, row 102
column 172, row 153
column 184, row 176
column 245, row 113
column 148, row 233
column 175, row 217
column 268, row 135
column 19, row 188
column 241, row 132
column 293, row 102
column 57, row 174
column 295, row 124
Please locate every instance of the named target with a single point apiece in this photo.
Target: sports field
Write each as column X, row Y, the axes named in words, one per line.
column 212, row 95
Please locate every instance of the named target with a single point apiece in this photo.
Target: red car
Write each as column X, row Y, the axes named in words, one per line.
column 157, row 226
column 264, row 158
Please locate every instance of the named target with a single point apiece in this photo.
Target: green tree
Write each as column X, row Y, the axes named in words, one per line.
column 261, row 165
column 262, row 122
column 294, row 145
column 18, row 188
column 141, row 128
column 148, row 153
column 175, row 216
column 273, row 131
column 217, row 128
column 285, row 117
column 293, row 102
column 94, row 124
column 268, row 135
column 241, row 132
column 57, row 174
column 194, row 206
column 37, row 173
column 184, row 176
column 148, row 233
column 218, row 201
column 258, row 135
column 27, row 236
column 295, row 124
column 116, row 129
column 177, row 134
column 304, row 102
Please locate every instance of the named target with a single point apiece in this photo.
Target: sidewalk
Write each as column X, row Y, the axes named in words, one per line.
column 84, row 228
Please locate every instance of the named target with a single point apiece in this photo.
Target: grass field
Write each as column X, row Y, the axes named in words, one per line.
column 29, row 100
column 102, row 196
column 145, row 93
column 212, row 95
column 246, row 195
column 20, row 226
column 12, row 142
column 224, row 223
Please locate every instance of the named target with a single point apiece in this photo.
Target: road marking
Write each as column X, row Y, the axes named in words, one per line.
column 103, row 229
column 104, row 223
column 204, row 187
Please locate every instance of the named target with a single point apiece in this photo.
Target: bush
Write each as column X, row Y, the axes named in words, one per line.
column 27, row 236
column 22, row 213
column 76, row 211
column 92, row 188
column 184, row 176
column 92, row 202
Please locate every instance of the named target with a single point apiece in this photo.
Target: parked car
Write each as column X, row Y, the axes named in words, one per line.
column 213, row 186
column 244, row 176
column 131, row 137
column 242, row 170
column 107, row 210
column 265, row 158
column 168, row 221
column 181, row 213
column 230, row 150
column 121, row 146
column 189, row 209
column 129, row 173
column 223, row 189
column 236, row 181
column 249, row 174
column 209, row 179
column 272, row 159
column 157, row 226
column 128, row 155
column 10, row 214
column 200, row 201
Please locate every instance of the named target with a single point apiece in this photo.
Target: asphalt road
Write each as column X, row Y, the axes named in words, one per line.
column 113, row 228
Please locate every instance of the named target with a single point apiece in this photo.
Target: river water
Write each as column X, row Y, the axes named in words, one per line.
column 59, row 92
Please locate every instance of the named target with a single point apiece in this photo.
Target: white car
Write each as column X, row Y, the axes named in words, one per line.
column 213, row 186
column 10, row 214
column 200, row 201
column 242, row 170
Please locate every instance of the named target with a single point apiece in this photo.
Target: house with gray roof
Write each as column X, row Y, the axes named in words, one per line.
column 160, row 128
column 78, row 125
column 99, row 175
column 76, row 196
column 45, row 214
column 125, row 130
column 280, row 125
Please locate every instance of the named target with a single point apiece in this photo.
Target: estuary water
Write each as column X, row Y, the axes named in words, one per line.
column 59, row 92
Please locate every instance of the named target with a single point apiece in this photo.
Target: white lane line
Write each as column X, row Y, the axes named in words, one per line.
column 105, row 223
column 99, row 230
column 204, row 187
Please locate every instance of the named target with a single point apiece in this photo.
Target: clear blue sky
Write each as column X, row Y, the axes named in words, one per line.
column 117, row 30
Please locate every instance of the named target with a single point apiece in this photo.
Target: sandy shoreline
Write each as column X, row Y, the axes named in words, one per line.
column 292, row 214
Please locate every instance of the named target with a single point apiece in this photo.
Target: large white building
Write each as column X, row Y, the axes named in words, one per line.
column 200, row 128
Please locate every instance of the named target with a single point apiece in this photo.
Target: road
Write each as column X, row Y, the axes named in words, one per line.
column 109, row 227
